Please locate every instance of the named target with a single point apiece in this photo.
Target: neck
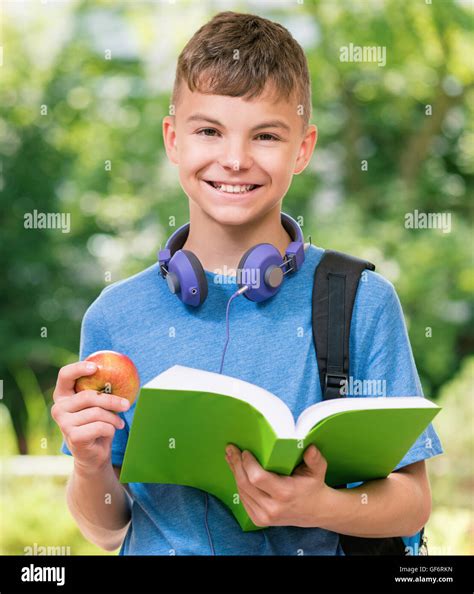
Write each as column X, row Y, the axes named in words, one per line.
column 220, row 247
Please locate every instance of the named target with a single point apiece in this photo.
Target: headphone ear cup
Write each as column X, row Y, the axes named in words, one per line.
column 256, row 267
column 199, row 274
column 240, row 269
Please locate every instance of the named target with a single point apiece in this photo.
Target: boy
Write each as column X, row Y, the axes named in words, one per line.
column 242, row 104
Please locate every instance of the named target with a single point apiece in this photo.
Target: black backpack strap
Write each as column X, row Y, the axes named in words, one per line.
column 334, row 288
column 357, row 545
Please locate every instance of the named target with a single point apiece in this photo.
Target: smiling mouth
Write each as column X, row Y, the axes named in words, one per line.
column 233, row 188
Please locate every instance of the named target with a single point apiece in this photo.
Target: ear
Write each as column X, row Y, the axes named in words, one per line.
column 169, row 137
column 306, row 148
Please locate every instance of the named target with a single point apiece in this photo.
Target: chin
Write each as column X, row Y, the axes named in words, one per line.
column 235, row 214
column 232, row 215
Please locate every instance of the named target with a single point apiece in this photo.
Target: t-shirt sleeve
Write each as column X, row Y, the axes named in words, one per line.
column 388, row 357
column 95, row 337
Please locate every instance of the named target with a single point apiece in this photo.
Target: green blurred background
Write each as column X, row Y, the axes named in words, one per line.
column 84, row 88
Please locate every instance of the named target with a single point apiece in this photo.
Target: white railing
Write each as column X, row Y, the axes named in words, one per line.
column 36, row 465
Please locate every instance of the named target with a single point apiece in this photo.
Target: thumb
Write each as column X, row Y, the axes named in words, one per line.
column 314, row 460
column 68, row 375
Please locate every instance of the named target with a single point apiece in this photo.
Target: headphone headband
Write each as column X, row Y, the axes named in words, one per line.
column 178, row 238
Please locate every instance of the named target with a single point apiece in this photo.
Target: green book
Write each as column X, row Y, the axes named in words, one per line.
column 185, row 417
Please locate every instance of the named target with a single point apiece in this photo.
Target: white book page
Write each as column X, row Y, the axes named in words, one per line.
column 180, row 377
column 321, row 410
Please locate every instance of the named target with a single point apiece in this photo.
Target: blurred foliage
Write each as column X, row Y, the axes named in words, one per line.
column 451, row 526
column 28, row 527
column 452, row 474
column 85, row 86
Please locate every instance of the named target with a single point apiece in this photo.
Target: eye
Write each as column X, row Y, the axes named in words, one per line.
column 206, row 130
column 268, row 137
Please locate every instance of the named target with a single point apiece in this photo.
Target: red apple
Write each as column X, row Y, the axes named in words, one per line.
column 116, row 374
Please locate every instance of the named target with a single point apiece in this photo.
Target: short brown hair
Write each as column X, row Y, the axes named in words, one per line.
column 235, row 54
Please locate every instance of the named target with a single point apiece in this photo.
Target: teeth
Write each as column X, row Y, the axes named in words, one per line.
column 233, row 189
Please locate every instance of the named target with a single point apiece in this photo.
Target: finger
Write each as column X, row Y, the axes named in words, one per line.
column 245, row 495
column 252, row 508
column 255, row 507
column 90, row 398
column 94, row 414
column 92, row 431
column 243, row 480
column 68, row 375
column 267, row 482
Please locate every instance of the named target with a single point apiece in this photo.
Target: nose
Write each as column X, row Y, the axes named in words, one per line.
column 236, row 155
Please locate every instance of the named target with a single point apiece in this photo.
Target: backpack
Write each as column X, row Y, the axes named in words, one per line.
column 334, row 288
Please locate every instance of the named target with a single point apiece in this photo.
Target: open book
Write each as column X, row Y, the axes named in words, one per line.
column 185, row 417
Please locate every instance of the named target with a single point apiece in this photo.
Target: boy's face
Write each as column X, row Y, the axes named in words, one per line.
column 231, row 141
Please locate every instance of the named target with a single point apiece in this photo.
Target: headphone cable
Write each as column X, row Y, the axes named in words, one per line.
column 236, row 294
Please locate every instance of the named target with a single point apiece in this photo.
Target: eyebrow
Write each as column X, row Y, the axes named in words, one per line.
column 269, row 124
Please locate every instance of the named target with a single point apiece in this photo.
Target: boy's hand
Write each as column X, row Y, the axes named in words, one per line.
column 272, row 499
column 85, row 420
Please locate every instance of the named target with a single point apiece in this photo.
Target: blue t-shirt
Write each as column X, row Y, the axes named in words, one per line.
column 271, row 345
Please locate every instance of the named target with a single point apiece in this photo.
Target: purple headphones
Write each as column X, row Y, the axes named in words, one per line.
column 259, row 273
